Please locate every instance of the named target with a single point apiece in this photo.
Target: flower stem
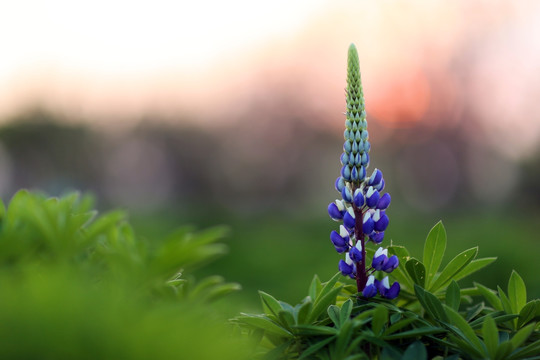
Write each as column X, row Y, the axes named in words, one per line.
column 361, row 275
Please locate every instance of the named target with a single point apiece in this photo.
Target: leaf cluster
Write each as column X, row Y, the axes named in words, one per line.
column 433, row 319
column 75, row 284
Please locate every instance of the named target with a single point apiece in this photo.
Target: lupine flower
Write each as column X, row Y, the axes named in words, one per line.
column 361, row 197
column 370, row 290
column 387, row 291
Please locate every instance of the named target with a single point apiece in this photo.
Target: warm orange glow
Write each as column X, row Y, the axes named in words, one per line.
column 401, row 98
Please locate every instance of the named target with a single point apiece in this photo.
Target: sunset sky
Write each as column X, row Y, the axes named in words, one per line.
column 124, row 59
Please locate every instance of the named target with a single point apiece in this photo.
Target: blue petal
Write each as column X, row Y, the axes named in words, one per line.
column 355, row 254
column 379, row 262
column 344, row 159
column 346, row 172
column 393, row 292
column 345, row 268
column 365, row 159
column 346, row 194
column 373, row 199
column 368, row 226
column 382, row 223
column 354, row 174
column 337, row 240
column 349, row 221
column 375, row 177
column 391, row 264
column 369, row 291
column 384, row 201
column 380, row 186
column 334, row 212
column 340, row 184
column 358, row 198
column 377, row 237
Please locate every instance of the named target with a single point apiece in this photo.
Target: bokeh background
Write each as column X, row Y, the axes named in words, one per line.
column 231, row 113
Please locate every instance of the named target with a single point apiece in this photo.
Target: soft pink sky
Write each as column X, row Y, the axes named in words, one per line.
column 125, row 59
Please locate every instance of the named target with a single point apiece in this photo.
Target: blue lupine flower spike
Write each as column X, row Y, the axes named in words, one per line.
column 362, row 206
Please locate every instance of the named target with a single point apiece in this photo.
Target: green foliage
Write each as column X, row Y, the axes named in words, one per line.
column 432, row 319
column 78, row 285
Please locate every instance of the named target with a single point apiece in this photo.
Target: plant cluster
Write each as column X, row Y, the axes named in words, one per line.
column 430, row 317
column 78, row 285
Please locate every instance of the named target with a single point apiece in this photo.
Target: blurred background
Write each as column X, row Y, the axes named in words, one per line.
column 231, row 113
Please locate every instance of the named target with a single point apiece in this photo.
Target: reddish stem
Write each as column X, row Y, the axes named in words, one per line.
column 361, row 274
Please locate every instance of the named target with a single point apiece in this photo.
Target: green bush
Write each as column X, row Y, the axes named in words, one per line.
column 76, row 285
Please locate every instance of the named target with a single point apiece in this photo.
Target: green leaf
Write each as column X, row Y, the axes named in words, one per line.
column 304, row 311
column 464, row 327
column 527, row 351
column 528, row 312
column 415, row 351
column 322, row 303
column 431, row 304
column 271, row 305
column 434, row 249
column 521, row 336
column 344, row 338
column 263, row 323
column 504, row 349
column 398, row 325
column 221, row 290
column 490, row 296
column 379, row 319
column 334, row 312
column 453, row 268
column 286, row 319
column 328, row 286
column 315, row 287
column 417, row 271
column 315, row 330
column 427, row 330
column 517, row 293
column 506, row 304
column 453, row 295
column 316, row 347
column 346, row 310
column 474, row 266
column 490, row 335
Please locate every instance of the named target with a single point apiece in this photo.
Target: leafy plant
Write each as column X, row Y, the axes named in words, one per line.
column 77, row 285
column 336, row 322
column 433, row 317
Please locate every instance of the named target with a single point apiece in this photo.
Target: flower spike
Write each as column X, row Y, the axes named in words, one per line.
column 362, row 207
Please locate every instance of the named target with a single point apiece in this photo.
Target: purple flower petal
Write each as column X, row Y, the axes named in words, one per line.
column 384, row 201
column 334, row 212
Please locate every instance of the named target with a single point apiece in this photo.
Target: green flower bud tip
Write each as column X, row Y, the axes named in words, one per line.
column 355, row 97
